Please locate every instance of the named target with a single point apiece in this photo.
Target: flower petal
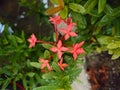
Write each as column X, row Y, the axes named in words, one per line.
column 66, row 36
column 75, row 55
column 81, row 43
column 59, row 54
column 59, row 44
column 54, row 49
column 73, row 34
column 64, row 49
column 81, row 50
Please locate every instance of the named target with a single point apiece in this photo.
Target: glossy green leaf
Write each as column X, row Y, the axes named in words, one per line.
column 64, row 12
column 54, row 2
column 113, row 45
column 105, row 40
column 116, row 54
column 31, row 74
column 89, row 5
column 46, row 54
column 106, row 19
column 77, row 8
column 101, row 5
column 79, row 19
column 35, row 64
column 47, row 46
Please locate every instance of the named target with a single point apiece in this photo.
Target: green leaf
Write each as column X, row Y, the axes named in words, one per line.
column 46, row 54
column 116, row 54
column 94, row 19
column 49, row 75
column 89, row 5
column 105, row 40
column 5, row 41
column 19, row 40
column 77, row 7
column 79, row 19
column 13, row 40
column 108, row 9
column 110, row 51
column 113, row 45
column 35, row 64
column 117, row 27
column 47, row 46
column 31, row 74
column 54, row 37
column 56, row 67
column 101, row 5
column 6, row 82
column 78, row 1
column 116, row 12
column 95, row 13
column 54, row 2
column 47, row 88
column 24, row 81
column 64, row 12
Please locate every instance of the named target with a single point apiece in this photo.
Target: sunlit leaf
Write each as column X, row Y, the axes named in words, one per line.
column 61, row 3
column 64, row 12
column 47, row 46
column 35, row 64
column 116, row 54
column 46, row 54
column 101, row 5
column 31, row 74
column 77, row 7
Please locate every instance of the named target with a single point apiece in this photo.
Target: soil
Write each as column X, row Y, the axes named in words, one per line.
column 107, row 78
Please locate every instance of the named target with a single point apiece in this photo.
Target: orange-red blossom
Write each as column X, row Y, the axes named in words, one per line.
column 61, row 64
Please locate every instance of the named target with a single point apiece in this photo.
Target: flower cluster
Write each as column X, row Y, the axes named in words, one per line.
column 64, row 29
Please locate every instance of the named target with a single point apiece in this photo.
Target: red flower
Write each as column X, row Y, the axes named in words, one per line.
column 61, row 64
column 69, row 21
column 68, row 32
column 32, row 40
column 55, row 20
column 44, row 64
column 59, row 49
column 77, row 49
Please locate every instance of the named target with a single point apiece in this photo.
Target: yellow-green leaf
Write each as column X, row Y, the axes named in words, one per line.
column 101, row 5
column 46, row 54
column 77, row 7
column 64, row 12
column 116, row 54
column 35, row 64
